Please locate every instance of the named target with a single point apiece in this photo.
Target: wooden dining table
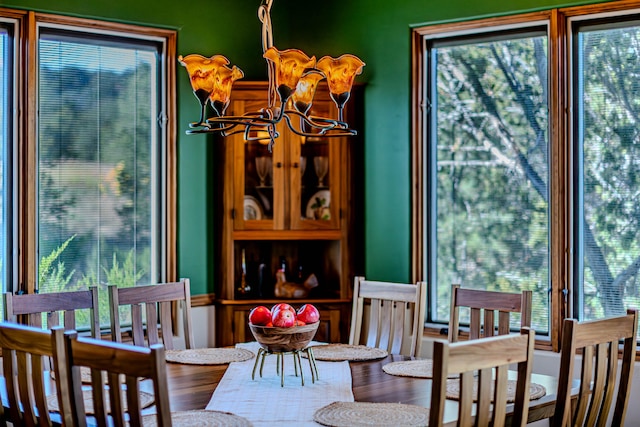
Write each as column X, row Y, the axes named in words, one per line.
column 191, row 387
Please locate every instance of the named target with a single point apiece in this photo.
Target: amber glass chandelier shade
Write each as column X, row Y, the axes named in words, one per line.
column 201, row 71
column 340, row 73
column 221, row 93
column 305, row 90
column 289, row 67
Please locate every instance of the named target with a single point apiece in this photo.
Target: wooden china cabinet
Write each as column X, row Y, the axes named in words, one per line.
column 297, row 208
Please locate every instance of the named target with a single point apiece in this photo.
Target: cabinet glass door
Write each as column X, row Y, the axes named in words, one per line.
column 258, row 180
column 315, row 182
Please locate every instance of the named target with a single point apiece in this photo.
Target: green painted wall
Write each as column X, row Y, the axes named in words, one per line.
column 376, row 31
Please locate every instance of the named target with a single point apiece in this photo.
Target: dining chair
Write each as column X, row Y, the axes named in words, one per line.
column 599, row 342
column 483, row 306
column 53, row 306
column 24, row 348
column 109, row 362
column 151, row 309
column 388, row 315
column 485, row 362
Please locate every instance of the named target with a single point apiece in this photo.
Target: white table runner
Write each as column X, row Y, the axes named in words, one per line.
column 264, row 402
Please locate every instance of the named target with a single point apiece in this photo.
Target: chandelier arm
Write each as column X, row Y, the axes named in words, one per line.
column 321, row 123
column 225, row 125
column 241, row 120
column 327, row 130
column 317, row 120
column 206, row 129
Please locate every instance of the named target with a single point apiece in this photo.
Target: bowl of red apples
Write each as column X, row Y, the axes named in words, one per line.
column 282, row 328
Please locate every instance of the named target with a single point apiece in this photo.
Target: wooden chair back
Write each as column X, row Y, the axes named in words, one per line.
column 388, row 315
column 156, row 302
column 53, row 306
column 487, row 362
column 24, row 349
column 109, row 362
column 483, row 306
column 599, row 342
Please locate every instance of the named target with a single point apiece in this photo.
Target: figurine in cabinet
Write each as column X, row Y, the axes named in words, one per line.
column 284, row 289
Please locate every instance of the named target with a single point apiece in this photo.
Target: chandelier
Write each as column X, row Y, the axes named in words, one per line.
column 293, row 78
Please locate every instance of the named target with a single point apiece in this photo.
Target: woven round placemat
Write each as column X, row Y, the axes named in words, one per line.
column 146, row 399
column 85, row 375
column 342, row 352
column 200, row 418
column 536, row 390
column 422, row 368
column 208, row 356
column 354, row 414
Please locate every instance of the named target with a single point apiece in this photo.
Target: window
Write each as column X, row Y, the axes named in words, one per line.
column 98, row 138
column 514, row 194
column 606, row 69
column 98, row 208
column 487, row 165
column 7, row 133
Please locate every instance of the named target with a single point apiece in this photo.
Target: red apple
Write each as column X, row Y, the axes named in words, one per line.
column 260, row 316
column 280, row 306
column 284, row 318
column 308, row 313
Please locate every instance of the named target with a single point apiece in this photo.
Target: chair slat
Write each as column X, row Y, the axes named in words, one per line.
column 504, row 323
column 599, row 383
column 69, row 318
column 25, row 377
column 166, row 324
column 466, row 398
column 98, row 392
column 485, row 384
column 53, row 319
column 385, row 320
column 611, row 371
column 474, row 328
column 489, row 323
column 152, row 319
column 400, row 310
column 585, row 387
column 375, row 313
column 133, row 402
column 500, row 395
column 137, row 325
column 40, row 400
